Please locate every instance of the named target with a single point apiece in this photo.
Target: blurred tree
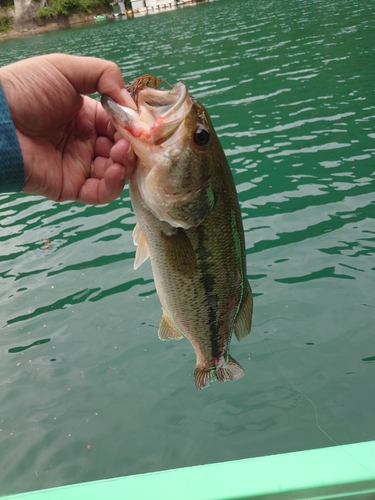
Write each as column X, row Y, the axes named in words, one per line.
column 6, row 3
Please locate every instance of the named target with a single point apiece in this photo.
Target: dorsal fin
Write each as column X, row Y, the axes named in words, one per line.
column 242, row 325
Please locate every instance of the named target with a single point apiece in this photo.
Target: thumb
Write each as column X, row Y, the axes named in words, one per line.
column 92, row 74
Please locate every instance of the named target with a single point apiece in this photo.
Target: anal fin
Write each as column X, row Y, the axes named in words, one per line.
column 166, row 330
column 242, row 324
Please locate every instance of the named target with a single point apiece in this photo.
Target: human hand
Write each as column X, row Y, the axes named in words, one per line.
column 66, row 139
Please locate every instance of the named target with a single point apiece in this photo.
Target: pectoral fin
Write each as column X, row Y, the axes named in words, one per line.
column 180, row 254
column 166, row 330
column 242, row 325
column 142, row 253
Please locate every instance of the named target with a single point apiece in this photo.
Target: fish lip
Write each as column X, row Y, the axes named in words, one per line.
column 166, row 110
column 126, row 119
column 113, row 107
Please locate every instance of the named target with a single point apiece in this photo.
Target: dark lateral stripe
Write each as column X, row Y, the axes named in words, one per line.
column 212, row 300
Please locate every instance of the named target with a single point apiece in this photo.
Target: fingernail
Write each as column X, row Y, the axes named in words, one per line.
column 128, row 100
column 122, row 174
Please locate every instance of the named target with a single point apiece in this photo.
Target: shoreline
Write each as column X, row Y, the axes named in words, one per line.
column 18, row 33
column 72, row 21
column 35, row 26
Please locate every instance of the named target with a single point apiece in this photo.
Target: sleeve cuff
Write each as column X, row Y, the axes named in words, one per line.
column 12, row 169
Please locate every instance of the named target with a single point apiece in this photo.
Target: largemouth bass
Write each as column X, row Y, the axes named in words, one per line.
column 188, row 223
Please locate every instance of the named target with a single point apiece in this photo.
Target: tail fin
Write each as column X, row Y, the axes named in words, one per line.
column 230, row 371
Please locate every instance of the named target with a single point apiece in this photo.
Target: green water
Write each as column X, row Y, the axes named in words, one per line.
column 87, row 391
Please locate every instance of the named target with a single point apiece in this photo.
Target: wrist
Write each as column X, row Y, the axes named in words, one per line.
column 12, row 170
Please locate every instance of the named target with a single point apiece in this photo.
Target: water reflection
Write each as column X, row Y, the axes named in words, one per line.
column 24, row 348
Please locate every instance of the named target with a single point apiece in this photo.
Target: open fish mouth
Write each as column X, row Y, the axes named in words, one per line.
column 160, row 113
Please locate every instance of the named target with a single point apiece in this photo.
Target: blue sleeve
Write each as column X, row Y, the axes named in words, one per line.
column 12, row 170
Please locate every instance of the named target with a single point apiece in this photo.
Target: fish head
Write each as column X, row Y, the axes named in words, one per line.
column 173, row 138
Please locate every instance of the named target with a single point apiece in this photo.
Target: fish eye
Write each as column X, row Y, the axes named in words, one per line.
column 201, row 136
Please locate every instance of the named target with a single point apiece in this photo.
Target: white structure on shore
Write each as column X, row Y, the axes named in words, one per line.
column 155, row 4
column 138, row 4
column 143, row 6
column 152, row 4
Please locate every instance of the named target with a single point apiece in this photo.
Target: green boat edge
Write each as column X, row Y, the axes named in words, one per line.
column 346, row 471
